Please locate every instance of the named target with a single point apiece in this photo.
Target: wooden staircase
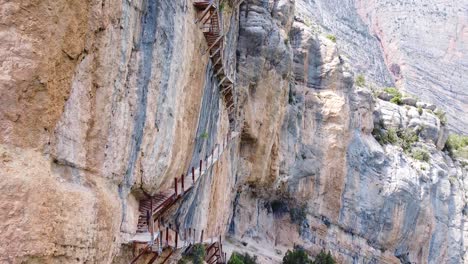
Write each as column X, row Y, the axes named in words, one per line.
column 151, row 233
column 210, row 21
column 214, row 253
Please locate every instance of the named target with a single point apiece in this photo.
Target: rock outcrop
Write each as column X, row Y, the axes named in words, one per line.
column 334, row 186
column 424, row 47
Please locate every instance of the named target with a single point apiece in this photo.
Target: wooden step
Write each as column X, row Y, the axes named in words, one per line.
column 202, row 4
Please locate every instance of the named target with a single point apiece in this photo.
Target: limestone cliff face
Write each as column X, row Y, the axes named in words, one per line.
column 101, row 102
column 424, row 46
column 105, row 102
column 332, row 185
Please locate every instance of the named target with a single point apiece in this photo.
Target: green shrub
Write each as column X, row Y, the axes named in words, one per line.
column 204, row 135
column 332, row 38
column 407, row 138
column 298, row 214
column 403, row 138
column 420, row 154
column 452, row 180
column 237, row 258
column 420, row 110
column 393, row 91
column 323, row 258
column 297, row 256
column 396, row 100
column 183, row 260
column 390, row 136
column 397, row 95
column 457, row 146
column 360, row 80
column 196, row 255
column 442, row 117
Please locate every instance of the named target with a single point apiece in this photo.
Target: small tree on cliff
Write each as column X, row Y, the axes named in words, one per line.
column 297, row 256
column 237, row 258
column 323, row 258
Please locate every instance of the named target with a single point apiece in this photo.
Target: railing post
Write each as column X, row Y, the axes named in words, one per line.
column 167, row 236
column 175, row 185
column 212, row 156
column 183, row 180
column 201, row 163
column 194, row 236
column 160, row 239
column 193, row 175
column 190, row 235
column 148, row 220
column 201, row 237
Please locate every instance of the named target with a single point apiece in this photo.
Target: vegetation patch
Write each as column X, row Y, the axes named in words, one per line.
column 405, row 138
column 299, row 256
column 324, row 258
column 442, row 116
column 237, row 258
column 420, row 110
column 221, row 6
column 332, row 38
column 421, row 155
column 204, row 135
column 457, row 146
column 298, row 215
column 360, row 80
column 397, row 95
column 384, row 137
column 196, row 255
column 452, row 180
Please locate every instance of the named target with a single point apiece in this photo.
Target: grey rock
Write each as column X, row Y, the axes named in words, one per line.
column 385, row 96
column 431, row 107
column 421, row 104
column 409, row 101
